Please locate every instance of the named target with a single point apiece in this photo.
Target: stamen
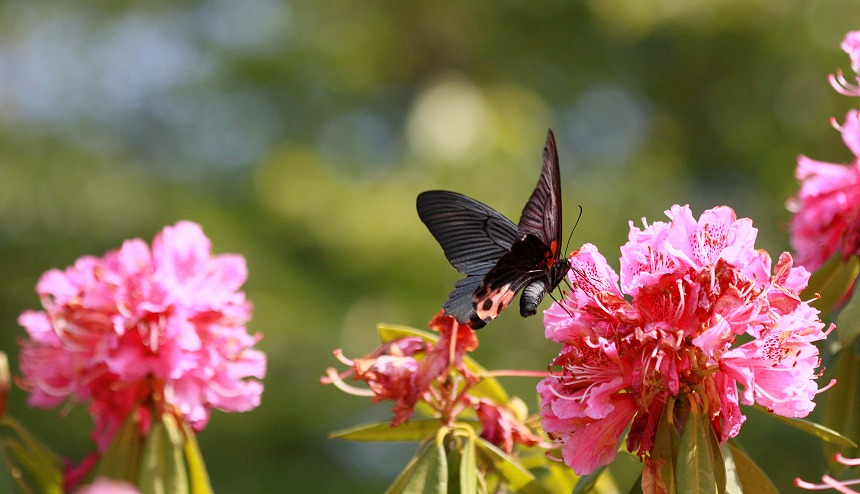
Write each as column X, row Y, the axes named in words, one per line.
column 334, row 378
column 825, row 388
column 841, row 85
column 561, row 396
column 828, row 483
column 679, row 311
column 846, row 461
column 338, row 354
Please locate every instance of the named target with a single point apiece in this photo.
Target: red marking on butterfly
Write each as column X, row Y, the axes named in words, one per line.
column 499, row 258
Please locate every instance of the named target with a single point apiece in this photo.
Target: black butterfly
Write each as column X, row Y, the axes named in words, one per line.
column 498, row 257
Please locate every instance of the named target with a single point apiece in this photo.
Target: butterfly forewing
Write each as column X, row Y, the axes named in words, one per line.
column 542, row 213
column 473, row 236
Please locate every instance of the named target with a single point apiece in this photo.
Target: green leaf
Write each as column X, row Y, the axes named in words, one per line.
column 390, row 332
column 468, row 467
column 162, row 468
column 587, row 482
column 817, row 430
column 832, row 281
column 197, row 473
column 121, row 461
column 848, row 322
column 561, row 478
column 842, row 404
column 666, row 446
column 414, row 430
column 697, row 472
column 402, row 480
column 636, row 488
column 752, row 477
column 717, row 461
column 455, row 457
column 6, row 480
column 733, row 481
column 518, row 478
column 31, row 465
column 427, row 473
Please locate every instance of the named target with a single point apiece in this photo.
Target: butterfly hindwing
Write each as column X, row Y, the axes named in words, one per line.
column 527, row 262
column 459, row 304
column 489, row 303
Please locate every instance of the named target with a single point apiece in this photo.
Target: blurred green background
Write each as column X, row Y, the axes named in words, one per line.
column 298, row 133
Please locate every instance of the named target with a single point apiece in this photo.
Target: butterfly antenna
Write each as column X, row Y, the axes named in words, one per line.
column 574, row 228
column 566, row 282
column 559, row 303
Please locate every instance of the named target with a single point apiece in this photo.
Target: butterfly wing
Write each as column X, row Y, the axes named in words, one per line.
column 522, row 266
column 542, row 213
column 474, row 238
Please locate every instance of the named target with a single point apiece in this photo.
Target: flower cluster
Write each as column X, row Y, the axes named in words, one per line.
column 827, row 207
column 147, row 330
column 411, row 369
column 672, row 324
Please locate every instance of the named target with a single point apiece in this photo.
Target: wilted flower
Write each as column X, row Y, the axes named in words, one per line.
column 153, row 330
column 410, row 370
column 502, row 428
column 668, row 327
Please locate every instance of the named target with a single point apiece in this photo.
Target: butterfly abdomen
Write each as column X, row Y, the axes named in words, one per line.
column 533, row 293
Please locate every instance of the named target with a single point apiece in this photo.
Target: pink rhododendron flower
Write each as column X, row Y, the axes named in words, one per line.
column 668, row 327
column 158, row 329
column 827, row 208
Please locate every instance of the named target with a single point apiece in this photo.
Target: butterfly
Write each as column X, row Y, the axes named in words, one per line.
column 498, row 257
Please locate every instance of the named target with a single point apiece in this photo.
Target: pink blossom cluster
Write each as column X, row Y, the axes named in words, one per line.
column 410, row 370
column 669, row 326
column 827, row 207
column 158, row 329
